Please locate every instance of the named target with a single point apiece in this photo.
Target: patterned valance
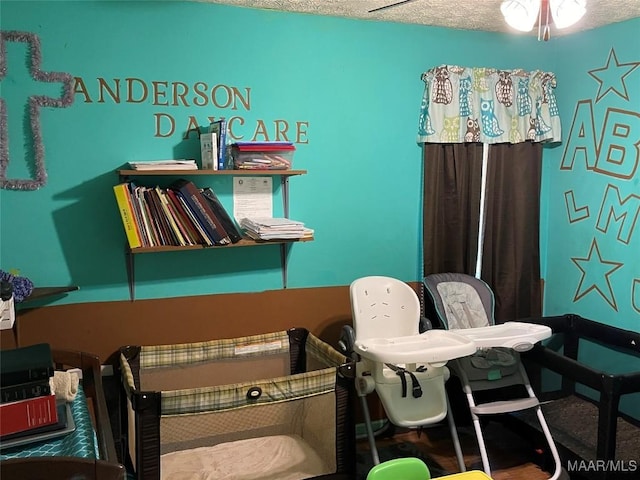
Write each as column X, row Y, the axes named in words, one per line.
column 487, row 105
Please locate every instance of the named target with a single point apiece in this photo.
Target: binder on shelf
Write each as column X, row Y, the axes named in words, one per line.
column 191, row 221
column 138, row 215
column 226, row 220
column 156, row 215
column 26, row 364
column 141, row 193
column 126, row 213
column 171, row 221
column 201, row 210
column 182, row 223
column 146, row 225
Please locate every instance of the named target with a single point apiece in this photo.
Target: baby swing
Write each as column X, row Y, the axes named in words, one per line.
column 465, row 304
column 405, row 368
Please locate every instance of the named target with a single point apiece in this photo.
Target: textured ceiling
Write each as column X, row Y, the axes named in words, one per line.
column 459, row 14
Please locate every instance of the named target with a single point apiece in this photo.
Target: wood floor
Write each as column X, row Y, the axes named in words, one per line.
column 510, row 456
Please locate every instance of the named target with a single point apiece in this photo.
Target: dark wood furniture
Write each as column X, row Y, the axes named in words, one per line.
column 590, row 427
column 68, row 468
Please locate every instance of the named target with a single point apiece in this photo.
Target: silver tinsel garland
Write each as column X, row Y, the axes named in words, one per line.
column 35, row 102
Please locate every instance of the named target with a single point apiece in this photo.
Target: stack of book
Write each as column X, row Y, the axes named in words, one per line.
column 181, row 215
column 274, row 229
column 26, row 401
column 164, row 165
column 262, row 155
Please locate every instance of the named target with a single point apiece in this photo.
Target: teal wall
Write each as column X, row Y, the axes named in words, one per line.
column 355, row 83
column 592, row 196
column 356, row 86
column 592, row 189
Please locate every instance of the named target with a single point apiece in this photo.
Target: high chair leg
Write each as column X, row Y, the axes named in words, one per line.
column 367, row 422
column 455, row 438
column 481, row 445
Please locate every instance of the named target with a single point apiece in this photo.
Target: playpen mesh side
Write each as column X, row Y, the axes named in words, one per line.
column 309, row 404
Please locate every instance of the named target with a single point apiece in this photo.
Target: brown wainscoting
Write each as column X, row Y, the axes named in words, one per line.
column 103, row 327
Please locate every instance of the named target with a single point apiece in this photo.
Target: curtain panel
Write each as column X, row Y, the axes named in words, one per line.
column 486, row 105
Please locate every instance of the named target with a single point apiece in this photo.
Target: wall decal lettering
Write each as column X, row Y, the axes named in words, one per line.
column 604, row 147
column 200, row 94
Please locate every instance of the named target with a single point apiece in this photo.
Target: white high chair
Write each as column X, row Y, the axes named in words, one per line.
column 405, row 368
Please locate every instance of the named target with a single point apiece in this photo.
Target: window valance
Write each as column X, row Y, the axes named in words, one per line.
column 487, row 105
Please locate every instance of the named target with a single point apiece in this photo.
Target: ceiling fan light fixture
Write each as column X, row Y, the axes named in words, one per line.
column 520, row 14
column 567, row 12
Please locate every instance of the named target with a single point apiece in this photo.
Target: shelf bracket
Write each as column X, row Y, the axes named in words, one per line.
column 131, row 271
column 284, row 181
column 284, row 250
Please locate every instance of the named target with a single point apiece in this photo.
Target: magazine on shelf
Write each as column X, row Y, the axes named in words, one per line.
column 182, row 164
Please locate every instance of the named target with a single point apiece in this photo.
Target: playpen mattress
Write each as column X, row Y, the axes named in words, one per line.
column 278, row 457
column 269, row 406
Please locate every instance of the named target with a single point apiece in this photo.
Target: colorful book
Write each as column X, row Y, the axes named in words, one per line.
column 152, row 214
column 198, row 235
column 171, row 221
column 202, row 211
column 137, row 213
column 206, row 239
column 264, row 146
column 25, row 364
column 23, row 391
column 181, row 222
column 226, row 220
column 27, row 414
column 126, row 213
column 219, row 127
column 148, row 230
column 166, row 232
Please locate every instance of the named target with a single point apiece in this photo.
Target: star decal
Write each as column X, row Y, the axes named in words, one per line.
column 611, row 77
column 595, row 275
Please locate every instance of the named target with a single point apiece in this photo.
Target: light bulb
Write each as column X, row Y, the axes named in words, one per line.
column 520, row 14
column 567, row 12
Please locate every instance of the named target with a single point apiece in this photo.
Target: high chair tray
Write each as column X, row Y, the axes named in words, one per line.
column 517, row 335
column 432, row 346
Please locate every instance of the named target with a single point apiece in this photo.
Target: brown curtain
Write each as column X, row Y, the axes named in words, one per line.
column 511, row 255
column 452, row 176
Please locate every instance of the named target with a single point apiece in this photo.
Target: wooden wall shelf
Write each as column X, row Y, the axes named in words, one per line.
column 154, row 173
column 245, row 242
column 45, row 292
column 284, row 175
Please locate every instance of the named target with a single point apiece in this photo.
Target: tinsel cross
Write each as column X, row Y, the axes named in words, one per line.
column 35, row 103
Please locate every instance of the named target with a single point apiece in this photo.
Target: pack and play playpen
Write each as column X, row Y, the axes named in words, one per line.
column 277, row 405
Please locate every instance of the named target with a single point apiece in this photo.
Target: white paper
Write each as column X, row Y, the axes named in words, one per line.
column 252, row 197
